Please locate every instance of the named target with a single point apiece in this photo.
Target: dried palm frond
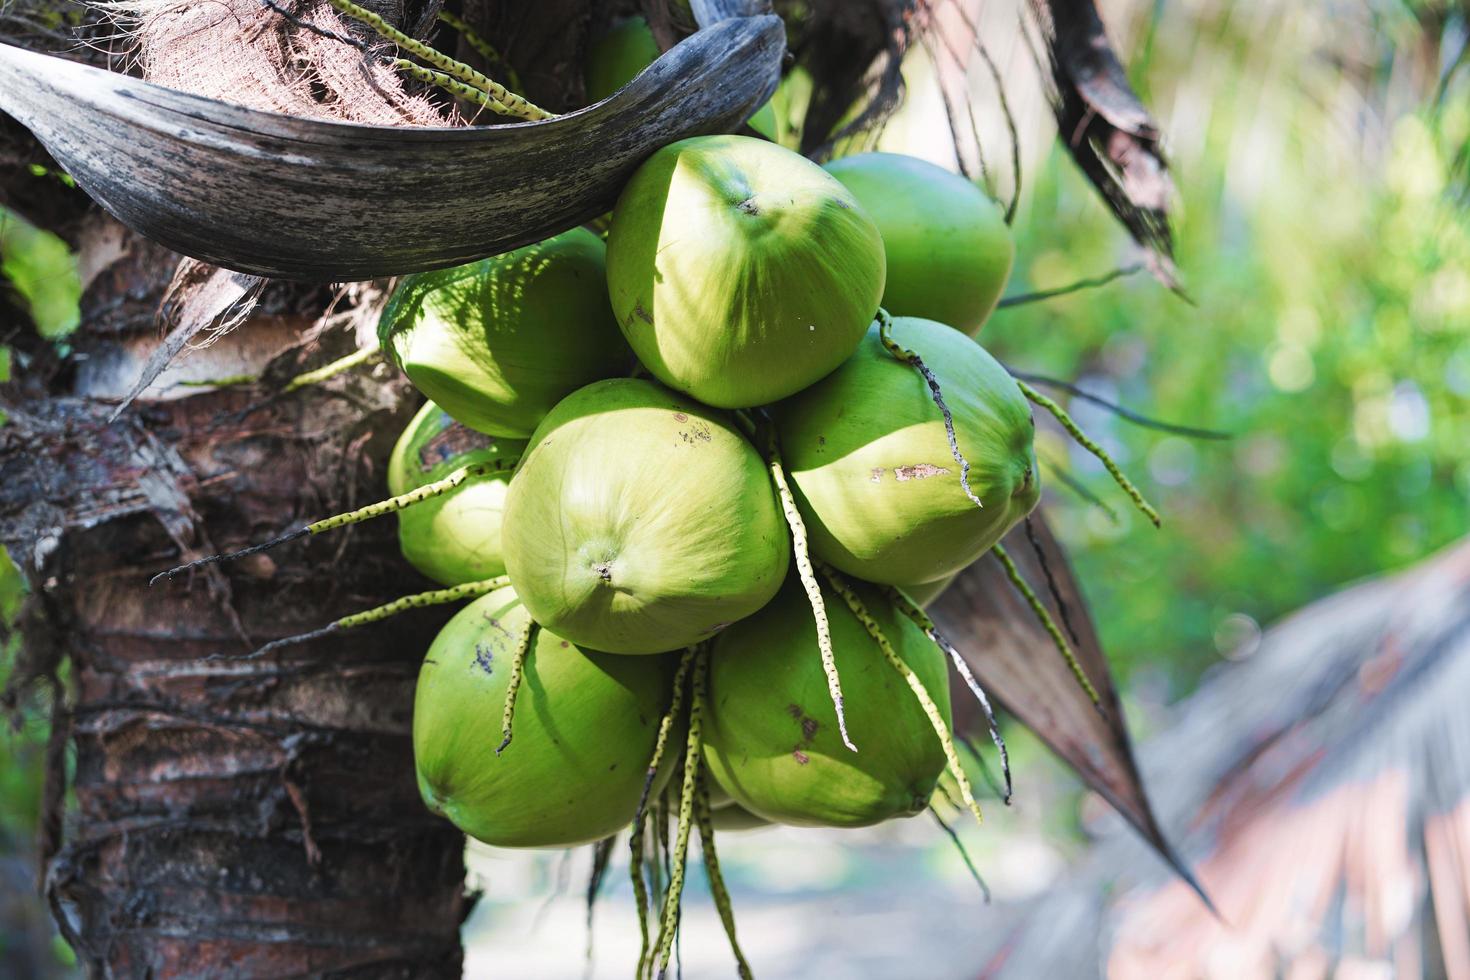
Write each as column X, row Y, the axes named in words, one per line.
column 1325, row 783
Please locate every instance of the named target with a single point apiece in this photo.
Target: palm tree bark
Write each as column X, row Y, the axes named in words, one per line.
column 232, row 817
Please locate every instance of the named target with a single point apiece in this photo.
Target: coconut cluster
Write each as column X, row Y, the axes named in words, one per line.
column 722, row 449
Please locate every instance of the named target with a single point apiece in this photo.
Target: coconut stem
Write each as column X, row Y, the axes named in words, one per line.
column 931, row 709
column 921, row 619
column 437, row 597
column 467, row 590
column 383, row 507
column 1079, row 488
column 481, row 46
column 959, row 845
column 665, row 725
column 669, row 924
column 640, row 817
column 601, row 858
column 1022, row 586
column 640, row 886
column 340, row 366
column 302, row 380
column 1086, row 442
column 513, row 686
column 804, row 571
column 902, row 353
column 991, row 783
column 1126, row 414
column 716, row 878
column 416, row 496
column 449, row 84
column 509, row 103
column 659, row 873
column 1052, row 588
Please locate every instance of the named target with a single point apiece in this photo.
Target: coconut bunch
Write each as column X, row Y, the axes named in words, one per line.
column 732, row 493
column 699, row 479
column 700, row 476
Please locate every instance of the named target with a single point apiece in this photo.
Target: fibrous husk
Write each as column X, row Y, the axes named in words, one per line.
column 453, row 538
column 243, row 52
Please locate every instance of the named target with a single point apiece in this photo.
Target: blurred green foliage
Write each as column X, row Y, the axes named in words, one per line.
column 1329, row 268
column 43, row 274
column 41, row 269
column 20, row 748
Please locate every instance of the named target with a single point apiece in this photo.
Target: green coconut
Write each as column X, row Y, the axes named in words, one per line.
column 453, row 538
column 871, row 467
column 926, row 592
column 771, row 736
column 497, row 342
column 741, row 272
column 640, row 521
column 628, row 46
column 617, row 56
column 585, row 726
column 725, row 813
column 949, row 248
column 734, row 818
column 719, row 796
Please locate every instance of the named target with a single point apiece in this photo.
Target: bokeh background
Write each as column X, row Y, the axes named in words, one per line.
column 1323, row 237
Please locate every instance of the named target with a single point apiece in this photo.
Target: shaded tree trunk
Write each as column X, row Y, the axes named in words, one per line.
column 233, row 817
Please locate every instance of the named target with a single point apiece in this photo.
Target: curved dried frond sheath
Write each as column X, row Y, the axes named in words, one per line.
column 210, row 180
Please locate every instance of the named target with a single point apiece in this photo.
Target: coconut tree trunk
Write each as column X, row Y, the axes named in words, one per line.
column 232, row 817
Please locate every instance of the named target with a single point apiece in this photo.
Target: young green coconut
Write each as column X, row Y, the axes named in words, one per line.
column 733, row 818
column 741, row 272
column 948, row 246
column 640, row 521
column 627, row 47
column 725, row 813
column 771, row 737
column 497, row 342
column 873, row 468
column 453, row 538
column 617, row 56
column 925, row 593
column 585, row 727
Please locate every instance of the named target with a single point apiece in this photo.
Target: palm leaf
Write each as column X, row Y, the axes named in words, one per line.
column 1014, row 659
